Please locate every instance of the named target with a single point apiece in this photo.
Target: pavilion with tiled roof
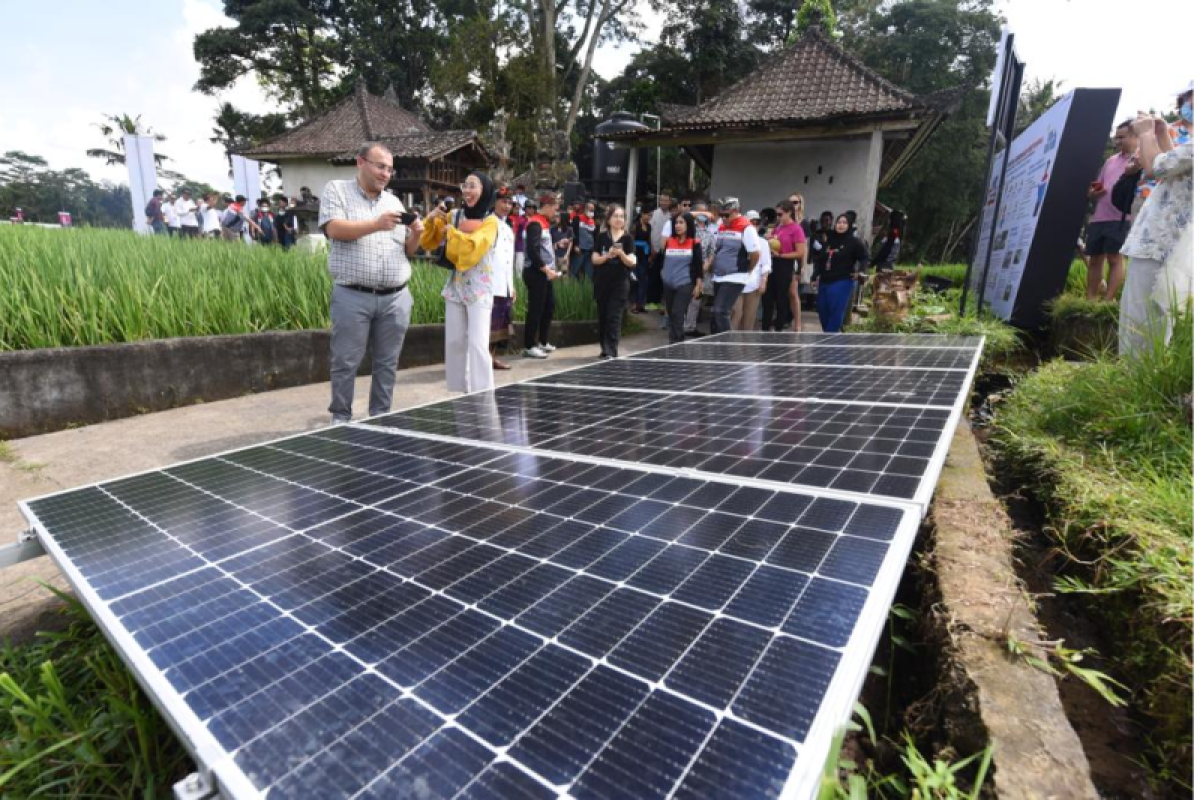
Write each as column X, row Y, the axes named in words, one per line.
column 812, row 118
column 428, row 162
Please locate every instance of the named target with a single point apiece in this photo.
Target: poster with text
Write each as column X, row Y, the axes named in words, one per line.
column 1030, row 168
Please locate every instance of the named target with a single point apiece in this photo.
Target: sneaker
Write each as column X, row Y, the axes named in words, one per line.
column 534, row 352
column 547, row 348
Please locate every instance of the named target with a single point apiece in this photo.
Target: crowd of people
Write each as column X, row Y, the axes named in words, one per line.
column 227, row 217
column 1143, row 212
column 681, row 255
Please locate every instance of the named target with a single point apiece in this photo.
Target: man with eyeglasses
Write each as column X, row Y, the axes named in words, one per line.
column 369, row 248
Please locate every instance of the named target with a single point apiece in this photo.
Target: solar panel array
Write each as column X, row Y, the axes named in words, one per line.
column 556, row 588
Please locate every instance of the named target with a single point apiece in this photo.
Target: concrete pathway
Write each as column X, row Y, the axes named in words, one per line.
column 39, row 465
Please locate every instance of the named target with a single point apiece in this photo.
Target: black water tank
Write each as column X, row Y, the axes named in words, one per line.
column 610, row 164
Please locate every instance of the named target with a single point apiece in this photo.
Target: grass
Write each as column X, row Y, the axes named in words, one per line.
column 956, row 274
column 89, row 286
column 74, row 723
column 1107, row 446
column 938, row 313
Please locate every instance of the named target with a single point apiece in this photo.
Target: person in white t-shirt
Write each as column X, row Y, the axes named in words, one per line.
column 745, row 310
column 210, row 217
column 185, row 213
column 504, row 285
column 171, row 217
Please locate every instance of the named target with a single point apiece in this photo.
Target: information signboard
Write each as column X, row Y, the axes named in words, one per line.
column 1042, row 206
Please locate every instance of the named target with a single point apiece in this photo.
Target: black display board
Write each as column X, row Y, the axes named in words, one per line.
column 1043, row 203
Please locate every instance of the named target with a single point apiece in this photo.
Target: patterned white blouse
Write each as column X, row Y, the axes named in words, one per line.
column 1168, row 212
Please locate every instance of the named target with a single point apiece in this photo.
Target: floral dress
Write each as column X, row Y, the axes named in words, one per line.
column 1168, row 212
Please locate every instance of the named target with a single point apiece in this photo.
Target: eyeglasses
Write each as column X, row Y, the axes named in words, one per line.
column 465, row 186
column 686, row 205
column 384, row 168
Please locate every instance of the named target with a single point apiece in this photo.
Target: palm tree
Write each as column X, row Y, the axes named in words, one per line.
column 114, row 127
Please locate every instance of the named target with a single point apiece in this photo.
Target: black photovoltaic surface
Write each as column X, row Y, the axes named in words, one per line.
column 809, row 355
column 361, row 613
column 875, row 340
column 364, row 613
column 859, row 384
column 878, row 450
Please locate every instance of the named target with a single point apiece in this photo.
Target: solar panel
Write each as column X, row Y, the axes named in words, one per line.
column 859, row 384
column 875, row 340
column 815, row 355
column 362, row 613
column 656, row 576
column 880, row 450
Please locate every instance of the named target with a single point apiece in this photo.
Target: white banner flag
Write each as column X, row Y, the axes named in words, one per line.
column 246, row 178
column 143, row 179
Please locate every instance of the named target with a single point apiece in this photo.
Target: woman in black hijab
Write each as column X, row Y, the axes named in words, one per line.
column 836, row 277
column 470, row 239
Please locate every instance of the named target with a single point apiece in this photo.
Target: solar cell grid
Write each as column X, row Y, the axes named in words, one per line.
column 449, row 618
column 860, row 384
column 812, row 444
column 810, row 355
column 844, row 339
column 432, row 603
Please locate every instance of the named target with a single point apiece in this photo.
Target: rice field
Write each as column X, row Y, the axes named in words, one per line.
column 64, row 288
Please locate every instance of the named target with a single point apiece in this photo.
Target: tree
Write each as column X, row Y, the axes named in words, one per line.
column 114, row 128
column 27, row 182
column 927, row 46
column 1037, row 98
column 288, row 45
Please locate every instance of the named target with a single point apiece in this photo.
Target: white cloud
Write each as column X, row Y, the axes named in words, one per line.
column 58, row 101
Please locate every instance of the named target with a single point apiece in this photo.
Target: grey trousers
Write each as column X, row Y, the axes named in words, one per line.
column 727, row 294
column 358, row 319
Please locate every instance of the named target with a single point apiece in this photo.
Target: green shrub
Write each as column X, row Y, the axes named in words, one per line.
column 90, row 286
column 938, row 313
column 1108, row 447
column 75, row 723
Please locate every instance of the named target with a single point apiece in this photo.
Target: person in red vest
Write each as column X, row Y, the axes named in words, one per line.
column 734, row 256
column 538, row 274
column 683, row 273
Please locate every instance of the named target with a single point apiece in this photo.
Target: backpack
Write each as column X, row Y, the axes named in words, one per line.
column 1124, row 192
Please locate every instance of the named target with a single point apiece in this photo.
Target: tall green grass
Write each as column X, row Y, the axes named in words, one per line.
column 74, row 722
column 1108, row 447
column 89, row 286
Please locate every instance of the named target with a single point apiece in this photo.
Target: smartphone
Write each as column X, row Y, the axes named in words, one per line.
column 619, row 246
column 408, row 218
column 448, row 204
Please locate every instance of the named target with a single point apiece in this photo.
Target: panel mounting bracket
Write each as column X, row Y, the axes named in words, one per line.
column 26, row 547
column 194, row 787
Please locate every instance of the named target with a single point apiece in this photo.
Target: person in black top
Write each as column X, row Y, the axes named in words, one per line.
column 889, row 249
column 846, row 256
column 641, row 241
column 538, row 273
column 682, row 273
column 612, row 259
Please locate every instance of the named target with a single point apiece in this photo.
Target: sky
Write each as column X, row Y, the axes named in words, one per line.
column 65, row 64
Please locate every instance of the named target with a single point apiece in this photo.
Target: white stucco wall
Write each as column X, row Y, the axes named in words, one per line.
column 833, row 175
column 313, row 173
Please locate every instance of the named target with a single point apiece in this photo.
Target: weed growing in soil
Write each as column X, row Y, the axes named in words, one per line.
column 925, row 780
column 1107, row 447
column 74, row 722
